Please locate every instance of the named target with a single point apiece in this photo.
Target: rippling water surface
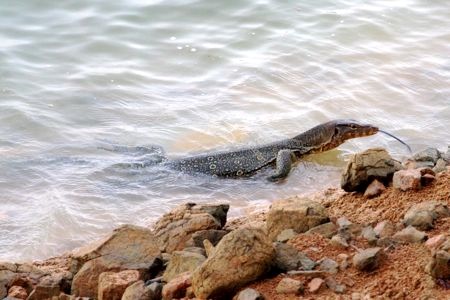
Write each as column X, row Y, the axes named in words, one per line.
column 193, row 76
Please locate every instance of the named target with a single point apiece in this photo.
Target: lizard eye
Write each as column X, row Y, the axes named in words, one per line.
column 336, row 131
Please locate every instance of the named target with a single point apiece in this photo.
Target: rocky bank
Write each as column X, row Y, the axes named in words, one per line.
column 384, row 235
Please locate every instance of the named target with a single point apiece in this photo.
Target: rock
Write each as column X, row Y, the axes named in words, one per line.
column 368, row 259
column 175, row 229
column 347, row 229
column 111, row 286
column 289, row 286
column 196, row 250
column 428, row 155
column 327, row 230
column 410, row 235
column 343, row 223
column 384, row 229
column 422, row 220
column 249, row 294
column 128, row 247
column 423, row 215
column 441, row 166
column 212, row 235
column 140, row 291
column 329, row 265
column 374, row 189
column 288, row 258
column 342, row 260
column 299, row 214
column 369, row 234
column 176, row 288
column 6, row 279
column 334, row 286
column 315, row 284
column 366, row 166
column 181, row 262
column 17, row 292
column 50, row 286
column 446, row 155
column 405, row 180
column 427, row 179
column 434, row 242
column 209, row 248
column 339, row 241
column 439, row 266
column 286, row 235
column 245, row 254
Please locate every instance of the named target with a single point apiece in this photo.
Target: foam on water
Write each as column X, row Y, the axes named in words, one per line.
column 192, row 76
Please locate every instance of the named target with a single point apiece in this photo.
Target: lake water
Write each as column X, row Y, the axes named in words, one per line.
column 193, row 76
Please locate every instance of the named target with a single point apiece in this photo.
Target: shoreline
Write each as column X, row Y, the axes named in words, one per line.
column 192, row 232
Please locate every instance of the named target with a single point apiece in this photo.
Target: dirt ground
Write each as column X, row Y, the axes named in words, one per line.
column 402, row 273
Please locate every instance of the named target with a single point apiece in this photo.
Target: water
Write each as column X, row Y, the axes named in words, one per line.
column 192, row 76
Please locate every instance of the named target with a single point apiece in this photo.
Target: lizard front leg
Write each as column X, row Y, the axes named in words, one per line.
column 284, row 161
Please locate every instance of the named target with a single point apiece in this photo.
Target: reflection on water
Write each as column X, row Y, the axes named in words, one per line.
column 194, row 76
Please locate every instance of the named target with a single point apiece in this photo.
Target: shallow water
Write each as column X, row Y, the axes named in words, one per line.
column 192, row 76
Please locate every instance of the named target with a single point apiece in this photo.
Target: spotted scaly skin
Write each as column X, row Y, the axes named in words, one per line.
column 282, row 154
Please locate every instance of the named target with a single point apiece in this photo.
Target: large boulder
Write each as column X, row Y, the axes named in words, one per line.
column 127, row 248
column 299, row 214
column 366, row 166
column 239, row 258
column 175, row 229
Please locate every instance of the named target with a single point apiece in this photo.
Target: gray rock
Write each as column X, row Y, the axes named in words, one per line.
column 333, row 285
column 441, row 166
column 347, row 229
column 286, row 235
column 326, row 230
column 329, row 265
column 368, row 259
column 182, row 261
column 288, row 258
column 249, row 294
column 446, row 156
column 422, row 220
column 384, row 229
column 428, row 155
column 289, row 286
column 366, row 166
column 299, row 214
column 410, row 235
column 369, row 234
column 339, row 241
column 424, row 214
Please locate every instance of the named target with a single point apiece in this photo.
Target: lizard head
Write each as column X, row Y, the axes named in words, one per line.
column 329, row 135
column 349, row 129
